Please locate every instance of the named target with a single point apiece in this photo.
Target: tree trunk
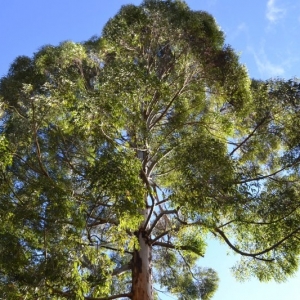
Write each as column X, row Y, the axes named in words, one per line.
column 141, row 270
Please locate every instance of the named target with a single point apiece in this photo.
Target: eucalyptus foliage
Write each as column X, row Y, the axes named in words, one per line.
column 151, row 132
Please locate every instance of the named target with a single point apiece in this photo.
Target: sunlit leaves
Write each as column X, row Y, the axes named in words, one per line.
column 176, row 274
column 153, row 131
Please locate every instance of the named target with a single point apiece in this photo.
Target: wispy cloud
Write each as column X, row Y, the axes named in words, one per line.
column 268, row 69
column 240, row 29
column 271, row 63
column 265, row 67
column 211, row 2
column 274, row 12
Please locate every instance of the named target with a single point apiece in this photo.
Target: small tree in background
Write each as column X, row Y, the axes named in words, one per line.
column 121, row 155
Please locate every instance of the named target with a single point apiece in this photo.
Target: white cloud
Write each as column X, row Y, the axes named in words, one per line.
column 268, row 69
column 265, row 67
column 270, row 62
column 274, row 12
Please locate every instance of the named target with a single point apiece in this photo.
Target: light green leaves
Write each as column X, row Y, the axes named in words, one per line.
column 155, row 133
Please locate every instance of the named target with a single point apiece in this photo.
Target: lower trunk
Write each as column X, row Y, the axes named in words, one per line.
column 141, row 271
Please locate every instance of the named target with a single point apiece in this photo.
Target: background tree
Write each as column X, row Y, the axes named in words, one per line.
column 120, row 155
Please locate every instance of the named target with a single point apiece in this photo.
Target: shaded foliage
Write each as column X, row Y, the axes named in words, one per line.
column 152, row 132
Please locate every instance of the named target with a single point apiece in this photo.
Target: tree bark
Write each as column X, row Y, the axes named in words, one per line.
column 141, row 270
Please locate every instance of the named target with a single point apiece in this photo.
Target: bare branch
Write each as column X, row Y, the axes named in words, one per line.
column 115, row 249
column 148, row 185
column 71, row 294
column 199, row 222
column 33, row 168
column 167, row 107
column 189, row 267
column 183, row 247
column 227, row 223
column 162, row 201
column 155, row 162
column 249, row 136
column 149, row 109
column 264, row 176
column 255, row 255
column 121, row 270
column 166, row 212
column 35, row 135
column 159, row 236
column 100, row 221
column 128, row 295
column 261, row 222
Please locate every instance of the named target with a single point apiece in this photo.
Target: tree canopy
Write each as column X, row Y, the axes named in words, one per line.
column 122, row 154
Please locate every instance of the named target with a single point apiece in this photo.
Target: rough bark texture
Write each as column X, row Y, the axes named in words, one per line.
column 141, row 271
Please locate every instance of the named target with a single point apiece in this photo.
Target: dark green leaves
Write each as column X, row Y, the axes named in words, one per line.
column 150, row 135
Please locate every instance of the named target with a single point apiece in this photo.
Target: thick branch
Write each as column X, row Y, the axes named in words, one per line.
column 155, row 162
column 146, row 181
column 66, row 294
column 121, row 270
column 86, row 263
column 183, row 247
column 199, row 222
column 159, row 236
column 128, row 295
column 71, row 294
column 100, row 221
column 115, row 249
column 166, row 212
column 162, row 201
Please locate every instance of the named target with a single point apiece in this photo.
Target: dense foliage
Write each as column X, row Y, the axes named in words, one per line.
column 152, row 132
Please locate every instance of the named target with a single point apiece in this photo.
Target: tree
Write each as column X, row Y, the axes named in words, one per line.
column 121, row 155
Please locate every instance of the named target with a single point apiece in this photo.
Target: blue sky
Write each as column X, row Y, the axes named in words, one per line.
column 264, row 32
